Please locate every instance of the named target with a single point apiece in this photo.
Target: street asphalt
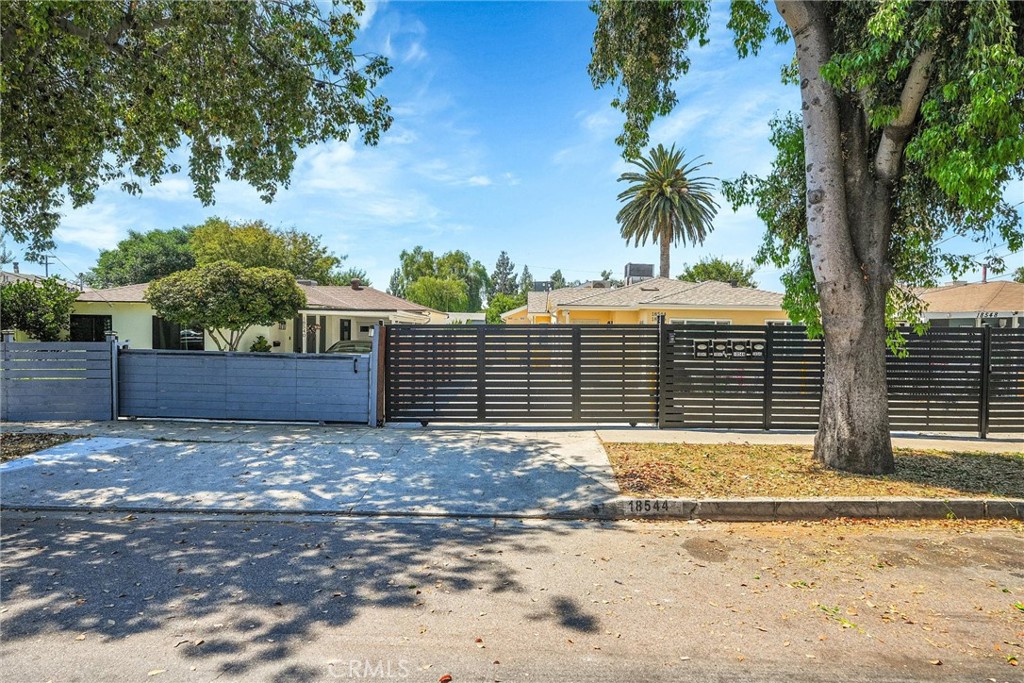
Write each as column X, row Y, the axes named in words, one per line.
column 279, row 598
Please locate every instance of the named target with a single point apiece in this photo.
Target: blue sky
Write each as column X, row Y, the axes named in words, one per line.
column 499, row 142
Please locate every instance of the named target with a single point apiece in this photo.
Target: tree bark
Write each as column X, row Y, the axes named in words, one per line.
column 848, row 226
column 665, row 244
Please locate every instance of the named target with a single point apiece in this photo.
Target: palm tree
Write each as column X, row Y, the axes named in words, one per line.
column 665, row 203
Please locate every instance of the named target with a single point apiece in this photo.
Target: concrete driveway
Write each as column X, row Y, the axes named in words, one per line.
column 245, row 467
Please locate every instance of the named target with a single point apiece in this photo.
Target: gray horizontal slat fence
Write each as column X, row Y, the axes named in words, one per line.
column 244, row 386
column 55, row 381
column 522, row 373
column 773, row 381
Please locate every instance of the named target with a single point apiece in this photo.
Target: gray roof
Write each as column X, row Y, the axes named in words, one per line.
column 667, row 293
column 317, row 296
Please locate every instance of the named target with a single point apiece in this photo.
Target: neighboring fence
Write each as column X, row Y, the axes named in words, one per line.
column 519, row 373
column 56, row 381
column 745, row 377
column 244, row 386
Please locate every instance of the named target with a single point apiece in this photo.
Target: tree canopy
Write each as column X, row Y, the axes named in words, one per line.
column 717, row 268
column 143, row 257
column 226, row 299
column 503, row 280
column 453, row 265
column 99, row 92
column 666, row 202
column 911, row 126
column 439, row 293
column 525, row 281
column 502, row 303
column 41, row 309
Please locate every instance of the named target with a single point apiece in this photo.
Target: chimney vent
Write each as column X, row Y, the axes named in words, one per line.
column 308, row 283
column 16, row 267
column 734, row 283
column 356, row 283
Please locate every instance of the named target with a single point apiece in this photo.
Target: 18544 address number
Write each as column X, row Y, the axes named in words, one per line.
column 643, row 507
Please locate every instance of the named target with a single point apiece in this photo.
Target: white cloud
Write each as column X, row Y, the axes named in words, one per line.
column 170, row 189
column 478, row 181
column 369, row 11
column 415, row 53
column 100, row 225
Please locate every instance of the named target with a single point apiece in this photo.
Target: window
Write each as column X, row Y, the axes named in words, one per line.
column 90, row 328
column 168, row 335
column 693, row 321
column 346, row 330
column 778, row 322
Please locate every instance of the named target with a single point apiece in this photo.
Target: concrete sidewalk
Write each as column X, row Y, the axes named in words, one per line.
column 940, row 441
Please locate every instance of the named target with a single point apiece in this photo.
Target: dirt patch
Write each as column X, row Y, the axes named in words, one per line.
column 708, row 550
column 743, row 471
column 14, row 446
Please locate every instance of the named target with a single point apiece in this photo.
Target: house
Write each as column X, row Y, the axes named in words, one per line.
column 958, row 304
column 332, row 314
column 642, row 302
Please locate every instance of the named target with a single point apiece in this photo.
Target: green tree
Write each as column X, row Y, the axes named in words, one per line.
column 911, row 125
column 558, row 280
column 308, row 259
column 345, row 277
column 457, row 265
column 103, row 91
column 143, row 257
column 255, row 244
column 252, row 244
column 716, row 268
column 396, row 286
column 525, row 281
column 226, row 299
column 606, row 275
column 41, row 309
column 501, row 303
column 1018, row 275
column 503, row 280
column 460, row 266
column 666, row 203
column 441, row 294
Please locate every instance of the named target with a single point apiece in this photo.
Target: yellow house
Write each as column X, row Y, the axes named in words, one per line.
column 332, row 314
column 642, row 303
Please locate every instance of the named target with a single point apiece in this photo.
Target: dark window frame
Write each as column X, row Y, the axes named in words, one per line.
column 95, row 334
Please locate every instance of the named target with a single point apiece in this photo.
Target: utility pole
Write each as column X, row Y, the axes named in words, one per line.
column 46, row 265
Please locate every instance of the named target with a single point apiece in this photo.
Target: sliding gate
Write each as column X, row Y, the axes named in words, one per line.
column 522, row 373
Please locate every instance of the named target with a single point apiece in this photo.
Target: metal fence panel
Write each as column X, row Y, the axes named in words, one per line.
column 522, row 373
column 55, row 381
column 962, row 379
column 244, row 386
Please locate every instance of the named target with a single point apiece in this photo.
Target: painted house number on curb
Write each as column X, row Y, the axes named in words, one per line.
column 642, row 506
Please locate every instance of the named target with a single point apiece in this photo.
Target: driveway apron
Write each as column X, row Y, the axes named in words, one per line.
column 278, row 468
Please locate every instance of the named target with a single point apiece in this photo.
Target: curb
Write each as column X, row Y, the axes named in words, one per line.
column 623, row 508
column 805, row 509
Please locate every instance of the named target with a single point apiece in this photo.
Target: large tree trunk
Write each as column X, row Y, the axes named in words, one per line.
column 848, row 226
column 665, row 243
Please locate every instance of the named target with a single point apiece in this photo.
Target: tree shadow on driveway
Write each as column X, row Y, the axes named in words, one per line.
column 435, row 471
